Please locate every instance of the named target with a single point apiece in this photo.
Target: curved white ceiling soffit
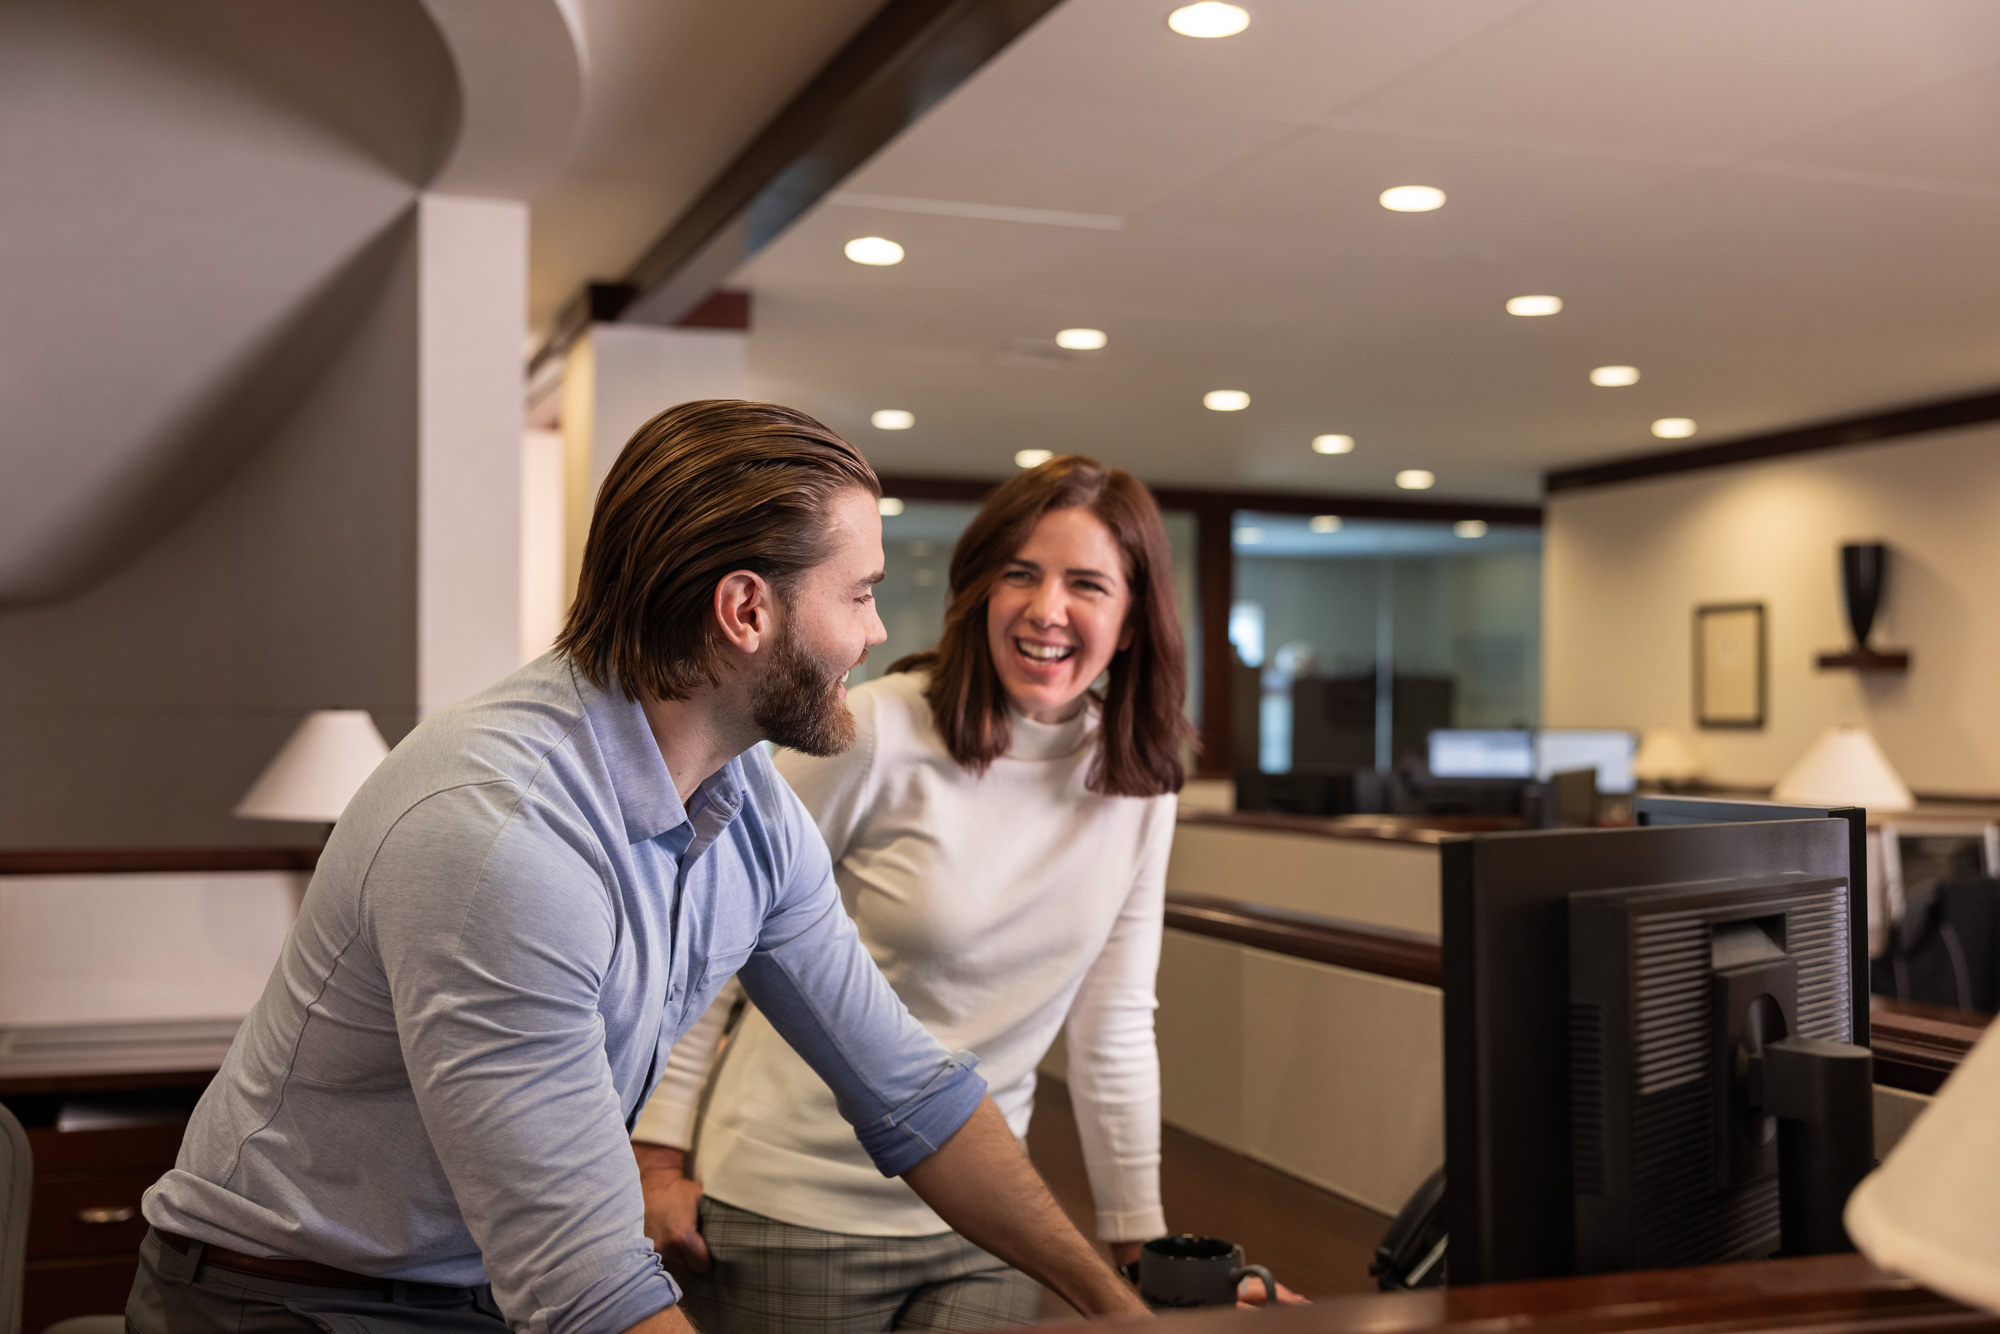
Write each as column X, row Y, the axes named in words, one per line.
column 205, row 197
column 521, row 67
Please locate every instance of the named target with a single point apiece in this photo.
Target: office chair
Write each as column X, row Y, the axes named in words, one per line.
column 17, row 1174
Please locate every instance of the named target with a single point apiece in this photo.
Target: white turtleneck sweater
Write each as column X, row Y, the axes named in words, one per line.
column 1001, row 908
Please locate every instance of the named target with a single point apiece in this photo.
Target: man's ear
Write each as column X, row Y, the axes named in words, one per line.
column 745, row 611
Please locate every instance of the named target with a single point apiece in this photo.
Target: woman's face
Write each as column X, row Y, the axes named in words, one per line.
column 1057, row 614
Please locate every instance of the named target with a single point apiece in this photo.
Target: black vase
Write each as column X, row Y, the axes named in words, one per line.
column 1864, row 566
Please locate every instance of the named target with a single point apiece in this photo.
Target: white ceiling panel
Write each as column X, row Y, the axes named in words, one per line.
column 1779, row 211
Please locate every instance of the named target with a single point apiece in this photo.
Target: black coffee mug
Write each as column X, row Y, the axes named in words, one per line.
column 1196, row 1271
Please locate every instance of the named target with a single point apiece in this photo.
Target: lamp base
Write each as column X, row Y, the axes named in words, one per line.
column 1866, row 660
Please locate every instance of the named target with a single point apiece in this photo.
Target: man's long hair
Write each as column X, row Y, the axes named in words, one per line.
column 700, row 491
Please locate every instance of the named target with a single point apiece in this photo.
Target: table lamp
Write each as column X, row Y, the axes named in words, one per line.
column 318, row 770
column 1844, row 768
column 1666, row 759
column 1932, row 1210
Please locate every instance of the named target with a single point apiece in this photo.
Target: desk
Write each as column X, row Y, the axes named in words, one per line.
column 1827, row 1294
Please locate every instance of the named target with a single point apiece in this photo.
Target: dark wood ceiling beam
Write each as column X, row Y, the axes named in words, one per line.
column 1939, row 415
column 907, row 58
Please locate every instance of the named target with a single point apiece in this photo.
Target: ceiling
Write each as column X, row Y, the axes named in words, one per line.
column 1779, row 210
column 676, row 88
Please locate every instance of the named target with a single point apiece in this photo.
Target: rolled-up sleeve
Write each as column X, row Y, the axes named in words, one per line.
column 903, row 1093
column 496, row 957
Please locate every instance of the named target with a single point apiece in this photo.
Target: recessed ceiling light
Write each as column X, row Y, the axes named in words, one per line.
column 1249, row 537
column 1325, row 523
column 1209, row 19
column 1081, row 340
column 1534, row 305
column 877, row 250
column 892, row 419
column 1225, row 400
column 1412, row 198
column 1674, row 428
column 889, row 507
column 1469, row 528
column 1610, row 377
column 1333, row 444
column 1416, row 479
column 1032, row 458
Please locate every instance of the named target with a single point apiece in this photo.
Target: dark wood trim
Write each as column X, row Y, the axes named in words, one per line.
column 134, row 861
column 908, row 57
column 1938, row 415
column 1365, row 949
column 1428, row 830
column 1346, row 505
column 1918, row 1046
column 1215, row 589
column 968, row 490
column 914, row 486
column 26, row 1085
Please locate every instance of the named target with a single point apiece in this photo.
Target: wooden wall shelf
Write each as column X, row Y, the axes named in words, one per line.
column 1866, row 660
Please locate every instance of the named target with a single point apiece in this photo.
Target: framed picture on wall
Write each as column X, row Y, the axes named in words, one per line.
column 1729, row 688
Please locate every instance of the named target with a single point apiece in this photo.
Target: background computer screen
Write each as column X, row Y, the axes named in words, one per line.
column 1558, row 749
column 1468, row 753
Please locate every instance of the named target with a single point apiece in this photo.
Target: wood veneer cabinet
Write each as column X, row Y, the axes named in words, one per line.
column 84, row 1226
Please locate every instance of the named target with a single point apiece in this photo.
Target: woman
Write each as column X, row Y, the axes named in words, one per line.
column 1000, row 834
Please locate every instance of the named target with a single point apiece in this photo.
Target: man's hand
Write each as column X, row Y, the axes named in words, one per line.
column 672, row 1223
column 981, row 1183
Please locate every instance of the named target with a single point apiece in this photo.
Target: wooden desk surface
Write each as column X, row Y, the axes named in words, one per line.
column 1827, row 1294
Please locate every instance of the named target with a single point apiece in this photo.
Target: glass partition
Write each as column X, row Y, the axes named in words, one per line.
column 1356, row 638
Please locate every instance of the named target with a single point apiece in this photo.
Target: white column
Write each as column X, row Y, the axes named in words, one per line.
column 472, row 266
column 618, row 378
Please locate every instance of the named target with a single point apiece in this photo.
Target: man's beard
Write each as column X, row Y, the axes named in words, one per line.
column 799, row 704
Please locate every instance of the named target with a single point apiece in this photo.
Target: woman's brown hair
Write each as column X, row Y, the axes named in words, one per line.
column 699, row 491
column 1142, row 731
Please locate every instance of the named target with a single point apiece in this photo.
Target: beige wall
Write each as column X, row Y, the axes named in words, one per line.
column 1626, row 565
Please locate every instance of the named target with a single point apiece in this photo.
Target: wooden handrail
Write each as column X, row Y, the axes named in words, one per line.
column 139, row 861
column 1383, row 951
column 1918, row 1046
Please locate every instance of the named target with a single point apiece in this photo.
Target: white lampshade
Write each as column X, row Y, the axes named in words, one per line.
column 318, row 769
column 1932, row 1210
column 1844, row 768
column 1665, row 757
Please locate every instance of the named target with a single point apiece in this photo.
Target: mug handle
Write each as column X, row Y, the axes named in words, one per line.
column 1241, row 1272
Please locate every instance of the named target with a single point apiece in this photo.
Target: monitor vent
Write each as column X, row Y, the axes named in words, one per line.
column 1681, row 1217
column 1670, row 991
column 1586, row 1094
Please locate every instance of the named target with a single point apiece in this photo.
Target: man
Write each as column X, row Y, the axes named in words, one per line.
column 533, row 898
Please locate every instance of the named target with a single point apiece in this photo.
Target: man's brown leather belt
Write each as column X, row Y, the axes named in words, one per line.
column 288, row 1271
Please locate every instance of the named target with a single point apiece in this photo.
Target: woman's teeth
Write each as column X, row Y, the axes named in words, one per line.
column 1045, row 652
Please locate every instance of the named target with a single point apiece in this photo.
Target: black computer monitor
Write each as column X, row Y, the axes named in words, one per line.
column 1651, row 809
column 1512, row 1107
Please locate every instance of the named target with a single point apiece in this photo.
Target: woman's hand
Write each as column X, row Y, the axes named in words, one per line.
column 1250, row 1292
column 673, row 1223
